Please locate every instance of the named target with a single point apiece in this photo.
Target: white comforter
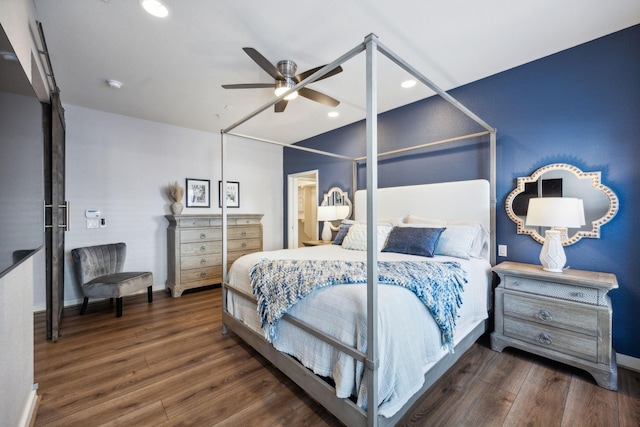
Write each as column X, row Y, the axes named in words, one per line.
column 408, row 338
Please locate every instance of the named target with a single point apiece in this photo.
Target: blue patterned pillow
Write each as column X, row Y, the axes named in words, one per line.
column 413, row 240
column 344, row 228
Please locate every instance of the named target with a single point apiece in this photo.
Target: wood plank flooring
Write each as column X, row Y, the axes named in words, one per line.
column 167, row 364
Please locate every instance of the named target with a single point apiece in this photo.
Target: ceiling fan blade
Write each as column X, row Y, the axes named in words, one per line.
column 280, row 106
column 300, row 77
column 249, row 86
column 314, row 95
column 263, row 63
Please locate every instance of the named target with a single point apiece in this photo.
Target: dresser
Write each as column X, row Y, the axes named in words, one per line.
column 562, row 316
column 194, row 247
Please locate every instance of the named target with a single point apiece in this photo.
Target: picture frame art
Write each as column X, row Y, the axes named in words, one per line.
column 198, row 193
column 232, row 193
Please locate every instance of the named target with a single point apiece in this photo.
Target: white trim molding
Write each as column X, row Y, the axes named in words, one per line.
column 628, row 362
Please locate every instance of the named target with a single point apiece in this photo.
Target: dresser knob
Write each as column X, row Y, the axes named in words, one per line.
column 203, row 236
column 203, row 261
column 244, row 234
column 244, row 245
column 203, row 248
column 544, row 315
column 203, row 274
column 577, row 294
column 545, row 338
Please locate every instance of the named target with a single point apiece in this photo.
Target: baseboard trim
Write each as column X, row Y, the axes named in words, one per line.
column 628, row 362
column 28, row 418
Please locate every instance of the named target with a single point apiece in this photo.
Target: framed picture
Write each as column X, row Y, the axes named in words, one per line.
column 198, row 193
column 232, row 193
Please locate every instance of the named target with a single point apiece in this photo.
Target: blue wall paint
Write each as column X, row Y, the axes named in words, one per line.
column 580, row 106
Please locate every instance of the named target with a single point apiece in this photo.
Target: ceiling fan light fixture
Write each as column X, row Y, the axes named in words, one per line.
column 155, row 8
column 333, row 114
column 284, row 85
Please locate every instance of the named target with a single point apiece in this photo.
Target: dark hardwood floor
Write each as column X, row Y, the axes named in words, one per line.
column 167, row 364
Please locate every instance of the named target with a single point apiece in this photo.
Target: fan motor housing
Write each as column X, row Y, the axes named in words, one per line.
column 287, row 68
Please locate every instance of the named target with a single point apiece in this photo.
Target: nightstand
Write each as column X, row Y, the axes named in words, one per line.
column 562, row 316
column 316, row 242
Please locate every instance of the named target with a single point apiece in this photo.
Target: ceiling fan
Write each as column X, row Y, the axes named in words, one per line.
column 285, row 77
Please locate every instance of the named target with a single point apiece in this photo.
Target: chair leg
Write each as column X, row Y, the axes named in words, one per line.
column 85, row 301
column 119, row 307
column 150, row 294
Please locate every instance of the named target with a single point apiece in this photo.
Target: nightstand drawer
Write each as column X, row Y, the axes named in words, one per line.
column 555, row 290
column 567, row 342
column 204, row 248
column 577, row 318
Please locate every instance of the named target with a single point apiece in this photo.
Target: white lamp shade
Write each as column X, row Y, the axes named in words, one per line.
column 342, row 211
column 327, row 213
column 555, row 212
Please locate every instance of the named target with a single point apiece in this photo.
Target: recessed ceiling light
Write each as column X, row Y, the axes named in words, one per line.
column 333, row 114
column 114, row 84
column 155, row 8
column 408, row 83
column 9, row 56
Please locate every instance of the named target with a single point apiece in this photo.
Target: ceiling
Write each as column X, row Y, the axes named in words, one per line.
column 172, row 69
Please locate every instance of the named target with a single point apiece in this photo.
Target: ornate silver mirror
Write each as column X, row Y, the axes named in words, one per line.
column 336, row 197
column 563, row 180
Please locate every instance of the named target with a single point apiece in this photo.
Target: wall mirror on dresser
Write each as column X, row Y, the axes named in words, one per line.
column 336, row 197
column 563, row 180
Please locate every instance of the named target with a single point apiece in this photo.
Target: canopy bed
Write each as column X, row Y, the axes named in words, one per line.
column 356, row 364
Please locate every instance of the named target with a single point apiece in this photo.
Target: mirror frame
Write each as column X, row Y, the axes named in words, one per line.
column 595, row 183
column 329, row 194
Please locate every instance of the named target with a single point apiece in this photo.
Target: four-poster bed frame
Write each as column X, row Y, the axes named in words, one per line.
column 344, row 409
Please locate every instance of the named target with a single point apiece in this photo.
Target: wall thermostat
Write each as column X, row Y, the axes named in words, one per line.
column 92, row 213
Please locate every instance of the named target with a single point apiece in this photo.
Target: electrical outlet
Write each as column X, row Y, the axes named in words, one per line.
column 93, row 223
column 502, row 250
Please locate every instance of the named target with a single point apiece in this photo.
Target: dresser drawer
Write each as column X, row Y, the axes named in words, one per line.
column 201, row 235
column 189, row 262
column 193, row 222
column 211, row 274
column 204, row 248
column 567, row 342
column 243, row 244
column 574, row 317
column 555, row 290
column 244, row 232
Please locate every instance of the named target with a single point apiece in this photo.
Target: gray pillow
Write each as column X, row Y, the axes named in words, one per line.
column 413, row 240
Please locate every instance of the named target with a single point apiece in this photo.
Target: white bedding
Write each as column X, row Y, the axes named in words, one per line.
column 409, row 341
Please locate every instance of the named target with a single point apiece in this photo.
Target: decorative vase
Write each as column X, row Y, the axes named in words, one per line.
column 176, row 208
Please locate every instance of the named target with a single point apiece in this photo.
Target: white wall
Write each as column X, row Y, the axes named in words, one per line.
column 118, row 165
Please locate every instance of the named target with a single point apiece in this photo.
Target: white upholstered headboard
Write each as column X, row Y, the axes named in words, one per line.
column 458, row 200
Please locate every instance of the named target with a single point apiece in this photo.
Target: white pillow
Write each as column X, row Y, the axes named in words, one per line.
column 356, row 238
column 431, row 222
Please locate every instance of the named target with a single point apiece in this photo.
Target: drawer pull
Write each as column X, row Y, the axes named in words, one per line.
column 203, row 248
column 577, row 294
column 203, row 261
column 244, row 234
column 203, row 274
column 545, row 338
column 203, row 236
column 244, row 245
column 544, row 315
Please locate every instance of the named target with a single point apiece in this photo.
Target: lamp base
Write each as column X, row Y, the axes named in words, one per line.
column 552, row 255
column 326, row 232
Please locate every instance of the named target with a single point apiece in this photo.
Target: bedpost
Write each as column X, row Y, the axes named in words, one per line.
column 492, row 195
column 372, row 220
column 224, row 229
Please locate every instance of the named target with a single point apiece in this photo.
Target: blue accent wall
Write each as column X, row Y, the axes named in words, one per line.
column 580, row 106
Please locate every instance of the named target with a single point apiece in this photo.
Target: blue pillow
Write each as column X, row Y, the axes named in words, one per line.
column 344, row 228
column 413, row 240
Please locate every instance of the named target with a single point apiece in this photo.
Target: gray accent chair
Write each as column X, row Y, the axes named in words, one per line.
column 99, row 272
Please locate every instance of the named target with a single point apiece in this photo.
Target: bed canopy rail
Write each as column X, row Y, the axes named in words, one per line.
column 346, row 411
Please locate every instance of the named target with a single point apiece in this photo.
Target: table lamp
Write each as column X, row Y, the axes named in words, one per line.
column 326, row 214
column 557, row 213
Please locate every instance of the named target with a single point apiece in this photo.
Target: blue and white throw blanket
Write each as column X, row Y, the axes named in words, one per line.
column 279, row 284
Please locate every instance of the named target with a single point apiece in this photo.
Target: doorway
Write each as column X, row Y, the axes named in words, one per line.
column 302, row 212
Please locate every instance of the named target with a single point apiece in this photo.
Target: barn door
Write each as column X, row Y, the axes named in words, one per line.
column 56, row 211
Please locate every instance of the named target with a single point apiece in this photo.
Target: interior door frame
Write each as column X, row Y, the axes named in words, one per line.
column 292, row 204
